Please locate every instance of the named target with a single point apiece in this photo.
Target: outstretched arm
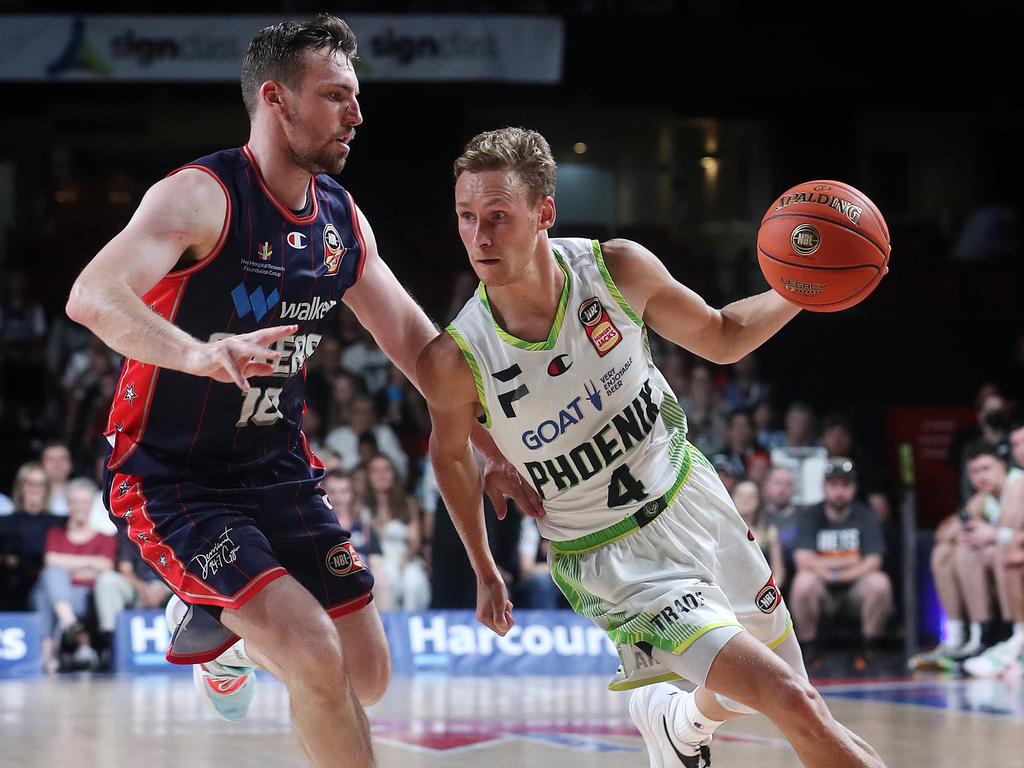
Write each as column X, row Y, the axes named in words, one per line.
column 178, row 222
column 447, row 383
column 684, row 318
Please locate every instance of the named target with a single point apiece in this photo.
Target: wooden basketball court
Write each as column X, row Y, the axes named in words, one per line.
column 156, row 721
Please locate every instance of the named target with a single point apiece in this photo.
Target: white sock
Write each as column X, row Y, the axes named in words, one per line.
column 975, row 638
column 689, row 724
column 1017, row 638
column 235, row 656
column 954, row 632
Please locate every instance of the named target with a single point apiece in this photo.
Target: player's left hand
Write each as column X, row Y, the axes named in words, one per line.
column 502, row 481
column 493, row 608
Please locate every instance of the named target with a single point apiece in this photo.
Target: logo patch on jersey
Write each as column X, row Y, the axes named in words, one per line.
column 265, row 251
column 257, row 302
column 333, row 249
column 296, row 240
column 769, row 597
column 343, row 559
column 558, row 366
column 599, row 326
column 593, row 395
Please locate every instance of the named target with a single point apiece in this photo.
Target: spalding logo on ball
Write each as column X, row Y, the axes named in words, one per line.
column 823, row 246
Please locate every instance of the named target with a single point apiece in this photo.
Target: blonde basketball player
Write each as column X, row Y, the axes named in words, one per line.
column 551, row 356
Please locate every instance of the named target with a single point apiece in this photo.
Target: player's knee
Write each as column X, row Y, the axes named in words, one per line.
column 309, row 654
column 370, row 678
column 796, row 700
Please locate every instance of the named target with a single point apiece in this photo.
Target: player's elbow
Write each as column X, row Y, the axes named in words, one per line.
column 80, row 306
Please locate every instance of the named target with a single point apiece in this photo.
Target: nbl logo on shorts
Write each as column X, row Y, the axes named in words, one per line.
column 343, row 559
column 769, row 597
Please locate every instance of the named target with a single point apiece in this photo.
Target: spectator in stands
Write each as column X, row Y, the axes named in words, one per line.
column 837, row 439
column 990, row 426
column 132, row 584
column 726, row 471
column 801, row 430
column 742, row 389
column 739, row 442
column 56, row 461
column 703, row 410
column 346, row 387
column 397, row 520
column 758, row 466
column 356, row 519
column 746, row 495
column 74, row 557
column 1009, row 654
column 321, row 370
column 839, row 558
column 536, row 587
column 313, row 429
column 365, row 359
column 362, row 425
column 780, row 512
column 964, row 558
column 25, row 532
column 22, row 330
column 766, row 432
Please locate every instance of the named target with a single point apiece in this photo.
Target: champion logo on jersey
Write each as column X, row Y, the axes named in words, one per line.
column 333, row 249
column 558, row 366
column 265, row 251
column 598, row 326
column 296, row 240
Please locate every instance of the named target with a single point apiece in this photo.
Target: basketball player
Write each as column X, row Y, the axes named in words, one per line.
column 215, row 293
column 551, row 356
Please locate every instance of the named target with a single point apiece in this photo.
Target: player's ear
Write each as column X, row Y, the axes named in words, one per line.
column 546, row 213
column 270, row 94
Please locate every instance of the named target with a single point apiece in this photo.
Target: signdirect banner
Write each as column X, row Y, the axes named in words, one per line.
column 517, row 49
column 442, row 642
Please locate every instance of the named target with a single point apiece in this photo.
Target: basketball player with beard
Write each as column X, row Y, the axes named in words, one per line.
column 217, row 292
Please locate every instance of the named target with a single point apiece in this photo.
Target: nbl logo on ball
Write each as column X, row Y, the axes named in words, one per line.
column 805, row 239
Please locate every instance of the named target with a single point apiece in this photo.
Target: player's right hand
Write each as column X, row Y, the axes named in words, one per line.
column 493, row 608
column 237, row 358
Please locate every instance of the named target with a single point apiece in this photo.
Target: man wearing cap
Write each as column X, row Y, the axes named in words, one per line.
column 839, row 553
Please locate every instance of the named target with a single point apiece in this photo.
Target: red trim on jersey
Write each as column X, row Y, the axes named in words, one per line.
column 311, row 457
column 219, row 245
column 127, row 421
column 283, row 209
column 358, row 233
column 351, row 606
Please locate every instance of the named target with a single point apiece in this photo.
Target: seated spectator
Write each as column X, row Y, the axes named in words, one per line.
column 75, row 557
column 780, row 512
column 133, row 584
column 801, row 429
column 56, row 460
column 767, row 435
column 1005, row 656
column 739, row 442
column 363, row 425
column 355, row 518
column 365, row 359
column 758, row 466
column 837, row 439
column 703, row 409
column 839, row 556
column 726, row 470
column 536, row 587
column 345, row 388
column 963, row 560
column 396, row 517
column 24, row 535
column 743, row 389
column 746, row 495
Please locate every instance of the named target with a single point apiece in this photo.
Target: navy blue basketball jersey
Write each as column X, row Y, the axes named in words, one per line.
column 270, row 267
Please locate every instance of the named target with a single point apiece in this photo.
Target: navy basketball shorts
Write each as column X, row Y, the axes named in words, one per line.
column 217, row 546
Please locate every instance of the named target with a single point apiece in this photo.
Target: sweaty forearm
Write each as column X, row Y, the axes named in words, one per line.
column 458, row 479
column 749, row 323
column 124, row 323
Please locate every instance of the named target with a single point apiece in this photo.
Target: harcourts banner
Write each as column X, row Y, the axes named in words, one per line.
column 540, row 643
column 520, row 49
column 21, row 644
column 445, row 642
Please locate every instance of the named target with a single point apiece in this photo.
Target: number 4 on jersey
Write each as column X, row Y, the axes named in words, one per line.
column 624, row 488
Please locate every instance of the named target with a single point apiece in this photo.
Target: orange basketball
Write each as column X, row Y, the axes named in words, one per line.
column 823, row 246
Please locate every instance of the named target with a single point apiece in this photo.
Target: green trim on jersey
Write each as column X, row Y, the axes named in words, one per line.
column 556, row 326
column 613, row 288
column 475, row 368
column 681, row 456
column 566, row 571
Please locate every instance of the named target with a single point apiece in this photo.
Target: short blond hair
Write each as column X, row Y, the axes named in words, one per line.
column 520, row 150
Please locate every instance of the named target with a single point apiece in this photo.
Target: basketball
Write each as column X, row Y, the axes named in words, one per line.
column 823, row 246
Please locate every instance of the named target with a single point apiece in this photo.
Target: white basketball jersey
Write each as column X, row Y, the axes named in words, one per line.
column 585, row 415
column 993, row 508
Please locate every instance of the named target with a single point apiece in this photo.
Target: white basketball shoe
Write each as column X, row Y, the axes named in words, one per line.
column 654, row 710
